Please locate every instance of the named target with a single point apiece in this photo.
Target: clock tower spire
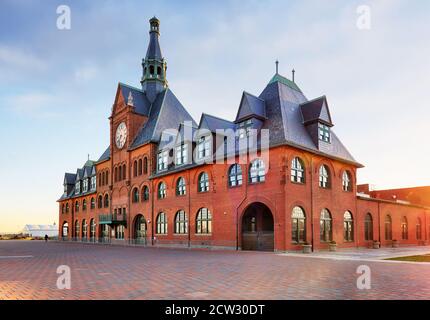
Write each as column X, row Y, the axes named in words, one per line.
column 154, row 66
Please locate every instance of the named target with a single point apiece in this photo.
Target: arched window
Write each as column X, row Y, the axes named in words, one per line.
column 404, row 228
column 106, row 203
column 368, row 227
column 93, row 203
column 388, row 228
column 145, row 165
column 235, row 175
column 181, row 188
column 67, row 207
column 84, row 204
column 297, row 170
column 135, row 169
column 139, row 167
column 203, row 182
column 158, row 71
column 145, row 193
column 204, row 221
column 162, row 190
column 124, row 171
column 257, row 171
column 418, row 229
column 116, row 174
column 92, row 229
column 107, row 177
column 84, row 229
column 65, row 230
column 76, row 206
column 62, row 208
column 348, row 227
column 135, row 197
column 346, row 181
column 298, row 225
column 325, row 226
column 77, row 229
column 100, row 202
column 324, row 177
column 161, row 223
column 151, row 70
column 120, row 173
column 103, row 179
column 181, row 222
column 100, row 179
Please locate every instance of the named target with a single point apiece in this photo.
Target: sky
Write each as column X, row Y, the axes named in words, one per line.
column 57, row 86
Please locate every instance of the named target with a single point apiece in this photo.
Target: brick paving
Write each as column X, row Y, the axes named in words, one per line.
column 28, row 271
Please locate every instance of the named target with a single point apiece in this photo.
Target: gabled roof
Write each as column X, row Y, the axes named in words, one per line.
column 69, row 178
column 250, row 106
column 316, row 110
column 140, row 101
column 166, row 113
column 105, row 156
column 285, row 122
column 213, row 123
column 79, row 174
column 186, row 132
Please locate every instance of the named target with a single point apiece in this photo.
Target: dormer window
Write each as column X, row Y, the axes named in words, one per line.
column 245, row 129
column 324, row 132
column 78, row 187
column 181, row 154
column 163, row 158
column 93, row 183
column 85, row 185
column 204, row 147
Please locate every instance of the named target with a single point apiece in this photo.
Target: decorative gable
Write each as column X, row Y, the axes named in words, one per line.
column 251, row 106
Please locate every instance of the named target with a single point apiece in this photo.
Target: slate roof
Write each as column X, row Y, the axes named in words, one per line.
column 213, row 123
column 166, row 113
column 105, row 156
column 140, row 101
column 285, row 121
column 250, row 106
column 316, row 110
column 69, row 178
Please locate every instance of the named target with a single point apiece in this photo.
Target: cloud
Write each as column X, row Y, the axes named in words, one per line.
column 85, row 74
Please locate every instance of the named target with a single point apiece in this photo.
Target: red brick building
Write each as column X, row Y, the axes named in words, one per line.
column 275, row 178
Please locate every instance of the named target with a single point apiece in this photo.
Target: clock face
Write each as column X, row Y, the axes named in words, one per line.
column 121, row 135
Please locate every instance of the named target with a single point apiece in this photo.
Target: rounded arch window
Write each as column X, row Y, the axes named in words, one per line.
column 298, row 225
column 297, row 170
column 203, row 182
column 325, row 226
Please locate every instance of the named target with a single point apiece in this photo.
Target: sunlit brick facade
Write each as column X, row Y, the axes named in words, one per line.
column 158, row 186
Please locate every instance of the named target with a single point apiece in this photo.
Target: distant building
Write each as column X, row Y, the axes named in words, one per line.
column 39, row 230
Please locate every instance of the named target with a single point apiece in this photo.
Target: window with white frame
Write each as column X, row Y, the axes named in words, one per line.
column 93, row 183
column 297, row 170
column 257, row 171
column 163, row 158
column 78, row 187
column 85, row 185
column 245, row 129
column 181, row 154
column 324, row 132
column 204, row 147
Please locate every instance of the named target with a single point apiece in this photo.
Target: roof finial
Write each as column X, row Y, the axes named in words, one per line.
column 293, row 71
column 277, row 65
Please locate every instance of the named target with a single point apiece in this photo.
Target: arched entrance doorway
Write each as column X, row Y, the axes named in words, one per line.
column 140, row 230
column 257, row 228
column 65, row 231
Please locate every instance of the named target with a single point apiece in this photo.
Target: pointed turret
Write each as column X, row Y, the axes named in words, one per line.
column 154, row 66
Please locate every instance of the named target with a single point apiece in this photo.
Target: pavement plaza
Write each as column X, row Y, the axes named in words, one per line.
column 28, row 270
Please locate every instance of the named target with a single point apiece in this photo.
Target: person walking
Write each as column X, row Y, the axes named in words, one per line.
column 46, row 238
